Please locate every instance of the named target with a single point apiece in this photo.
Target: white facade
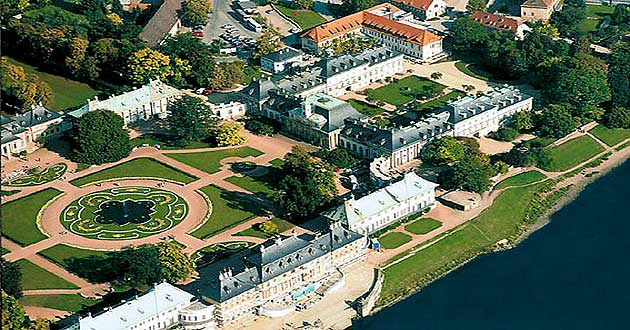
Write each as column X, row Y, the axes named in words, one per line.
column 280, row 61
column 381, row 208
column 436, row 8
column 229, row 110
column 361, row 76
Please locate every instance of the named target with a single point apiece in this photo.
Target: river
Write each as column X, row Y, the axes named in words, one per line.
column 573, row 274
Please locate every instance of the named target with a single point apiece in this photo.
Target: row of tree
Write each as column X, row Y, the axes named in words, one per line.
column 20, row 89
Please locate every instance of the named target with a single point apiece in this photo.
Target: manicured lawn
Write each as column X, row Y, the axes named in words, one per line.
column 4, row 251
column 283, row 226
column 393, row 240
column 46, row 175
column 37, row 278
column 66, row 93
column 137, row 168
column 252, row 184
column 610, row 136
column 475, row 71
column 440, row 101
column 572, row 153
column 423, row 226
column 210, row 161
column 594, row 14
column 61, row 253
column 497, row 222
column 165, row 144
column 214, row 252
column 19, row 217
column 521, row 179
column 392, row 93
column 228, row 210
column 65, row 302
column 277, row 163
column 306, row 19
column 9, row 192
column 365, row 108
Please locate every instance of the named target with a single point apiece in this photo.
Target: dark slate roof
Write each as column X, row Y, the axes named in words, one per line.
column 243, row 271
column 259, row 88
column 161, row 22
column 283, row 55
column 37, row 115
column 219, row 98
column 469, row 106
column 394, row 138
column 336, row 64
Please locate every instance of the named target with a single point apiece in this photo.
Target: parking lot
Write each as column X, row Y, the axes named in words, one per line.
column 222, row 14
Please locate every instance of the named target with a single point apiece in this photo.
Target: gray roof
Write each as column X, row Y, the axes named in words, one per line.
column 333, row 110
column 470, row 105
column 219, row 98
column 11, row 126
column 243, row 271
column 161, row 23
column 336, row 64
column 259, row 89
column 392, row 138
column 282, row 55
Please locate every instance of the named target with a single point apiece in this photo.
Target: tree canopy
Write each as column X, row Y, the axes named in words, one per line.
column 22, row 90
column 100, row 137
column 443, row 150
column 11, row 278
column 619, row 74
column 556, row 121
column 617, row 117
column 229, row 134
column 175, row 264
column 265, row 44
column 190, row 120
column 195, row 12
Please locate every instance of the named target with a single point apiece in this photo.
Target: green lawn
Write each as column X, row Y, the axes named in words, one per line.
column 228, row 210
column 37, row 278
column 9, row 192
column 572, row 153
column 65, row 302
column 365, row 108
column 4, row 250
column 214, row 252
column 440, row 101
column 423, row 226
column 210, row 161
column 165, row 144
column 499, row 221
column 60, row 253
column 137, row 168
column 19, row 217
column 67, row 93
column 520, row 179
column 252, row 184
column 283, row 226
column 594, row 14
column 610, row 136
column 306, row 19
column 277, row 163
column 40, row 177
column 475, row 71
column 392, row 93
column 393, row 240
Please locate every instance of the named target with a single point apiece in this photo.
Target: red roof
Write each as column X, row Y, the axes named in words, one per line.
column 496, row 21
column 420, row 4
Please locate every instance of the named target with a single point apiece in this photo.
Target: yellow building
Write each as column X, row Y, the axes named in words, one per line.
column 539, row 10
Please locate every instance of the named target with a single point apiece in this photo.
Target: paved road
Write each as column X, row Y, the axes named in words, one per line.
column 222, row 13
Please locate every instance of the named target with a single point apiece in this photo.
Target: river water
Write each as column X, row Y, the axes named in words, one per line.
column 573, row 274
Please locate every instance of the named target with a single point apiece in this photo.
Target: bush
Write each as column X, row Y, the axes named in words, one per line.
column 262, row 126
column 506, row 134
column 339, row 157
column 617, row 117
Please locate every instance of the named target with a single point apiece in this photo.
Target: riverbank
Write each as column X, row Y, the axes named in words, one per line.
column 544, row 199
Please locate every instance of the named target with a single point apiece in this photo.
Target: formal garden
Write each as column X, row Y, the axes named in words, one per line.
column 267, row 229
column 20, row 216
column 124, row 213
column 405, row 90
column 210, row 161
column 37, row 177
column 305, row 18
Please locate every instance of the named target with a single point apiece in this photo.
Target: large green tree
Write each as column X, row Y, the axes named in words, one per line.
column 186, row 46
column 22, row 90
column 444, row 150
column 11, row 278
column 175, row 264
column 476, row 5
column 556, row 121
column 100, row 137
column 14, row 318
column 308, row 183
column 195, row 12
column 472, row 173
column 619, row 74
column 617, row 117
column 229, row 134
column 190, row 120
column 267, row 43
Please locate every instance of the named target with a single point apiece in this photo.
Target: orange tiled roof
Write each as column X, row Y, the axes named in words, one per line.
column 420, row 4
column 496, row 21
column 366, row 19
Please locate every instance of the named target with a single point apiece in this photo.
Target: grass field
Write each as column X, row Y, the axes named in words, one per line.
column 594, row 14
column 610, row 136
column 228, row 210
column 283, row 226
column 572, row 153
column 497, row 222
column 423, row 226
column 393, row 240
column 210, row 161
column 392, row 93
column 252, row 184
column 19, row 217
column 40, row 177
column 276, row 162
column 37, row 278
column 139, row 167
column 67, row 93
column 440, row 101
column 166, row 145
column 65, row 302
column 4, row 251
column 9, row 192
column 365, row 108
column 306, row 19
column 520, row 179
column 60, row 253
column 475, row 71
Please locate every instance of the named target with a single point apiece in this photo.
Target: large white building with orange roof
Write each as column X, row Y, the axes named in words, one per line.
column 385, row 22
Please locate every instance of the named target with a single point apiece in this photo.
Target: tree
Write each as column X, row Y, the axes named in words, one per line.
column 175, row 264
column 13, row 317
column 190, row 120
column 22, row 90
column 138, row 266
column 468, row 88
column 229, row 134
column 100, row 137
column 146, row 64
column 11, row 278
column 186, row 46
column 265, row 44
column 307, row 183
column 195, row 12
column 619, row 74
column 302, row 4
column 353, row 6
column 476, row 5
column 556, row 121
column 522, row 121
column 76, row 55
column 506, row 134
column 268, row 227
column 617, row 117
column 567, row 19
column 226, row 75
column 444, row 150
column 436, row 75
column 472, row 173
column 468, row 35
column 621, row 15
column 338, row 157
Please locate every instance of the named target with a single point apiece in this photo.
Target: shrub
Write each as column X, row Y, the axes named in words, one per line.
column 506, row 134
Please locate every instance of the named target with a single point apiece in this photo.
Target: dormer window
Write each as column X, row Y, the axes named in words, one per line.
column 236, row 284
column 226, row 289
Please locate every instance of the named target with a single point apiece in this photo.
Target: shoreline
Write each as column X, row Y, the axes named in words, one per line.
column 577, row 183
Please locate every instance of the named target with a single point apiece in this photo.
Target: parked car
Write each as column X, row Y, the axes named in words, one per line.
column 198, row 34
column 208, row 91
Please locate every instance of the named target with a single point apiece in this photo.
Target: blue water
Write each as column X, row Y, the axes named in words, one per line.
column 572, row 274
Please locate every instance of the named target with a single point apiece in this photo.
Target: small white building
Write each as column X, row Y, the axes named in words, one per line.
column 24, row 131
column 381, row 208
column 227, row 106
column 144, row 103
column 422, row 9
column 163, row 307
column 280, row 61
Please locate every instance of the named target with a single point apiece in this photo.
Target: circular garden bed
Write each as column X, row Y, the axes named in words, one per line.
column 124, row 213
column 243, row 166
